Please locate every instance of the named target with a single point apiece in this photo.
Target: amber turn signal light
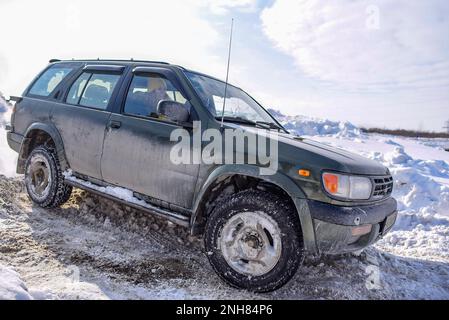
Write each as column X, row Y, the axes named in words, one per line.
column 304, row 173
column 330, row 182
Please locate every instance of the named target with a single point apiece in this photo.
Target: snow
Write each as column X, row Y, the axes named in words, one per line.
column 8, row 158
column 118, row 192
column 11, row 286
column 309, row 126
column 122, row 253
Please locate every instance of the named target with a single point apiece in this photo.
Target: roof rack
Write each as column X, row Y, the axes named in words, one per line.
column 112, row 60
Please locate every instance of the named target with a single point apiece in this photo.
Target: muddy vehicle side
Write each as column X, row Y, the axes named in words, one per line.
column 256, row 227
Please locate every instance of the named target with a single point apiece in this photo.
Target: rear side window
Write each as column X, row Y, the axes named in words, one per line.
column 49, row 80
column 93, row 90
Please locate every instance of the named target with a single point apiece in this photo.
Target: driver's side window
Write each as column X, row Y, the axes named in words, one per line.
column 145, row 93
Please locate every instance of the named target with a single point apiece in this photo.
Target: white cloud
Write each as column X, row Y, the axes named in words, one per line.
column 221, row 7
column 343, row 41
column 172, row 30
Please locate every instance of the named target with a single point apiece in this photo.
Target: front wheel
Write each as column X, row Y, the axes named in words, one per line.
column 253, row 240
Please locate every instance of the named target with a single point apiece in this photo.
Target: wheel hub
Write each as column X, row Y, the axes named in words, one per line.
column 251, row 243
column 38, row 176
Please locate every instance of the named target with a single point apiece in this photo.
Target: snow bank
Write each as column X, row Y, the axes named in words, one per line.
column 421, row 188
column 11, row 286
column 420, row 185
column 8, row 158
column 308, row 126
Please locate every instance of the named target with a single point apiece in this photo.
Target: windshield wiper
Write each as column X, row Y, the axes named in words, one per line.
column 237, row 119
column 262, row 124
column 271, row 125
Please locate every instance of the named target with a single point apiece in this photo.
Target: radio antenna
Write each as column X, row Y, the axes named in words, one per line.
column 227, row 74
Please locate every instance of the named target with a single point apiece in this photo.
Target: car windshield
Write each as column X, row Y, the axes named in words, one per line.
column 239, row 105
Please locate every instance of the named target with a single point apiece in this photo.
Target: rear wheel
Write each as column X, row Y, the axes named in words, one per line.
column 253, row 240
column 44, row 179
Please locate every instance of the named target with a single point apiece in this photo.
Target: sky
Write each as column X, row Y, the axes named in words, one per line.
column 376, row 63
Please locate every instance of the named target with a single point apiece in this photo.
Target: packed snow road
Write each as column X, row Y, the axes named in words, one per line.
column 95, row 248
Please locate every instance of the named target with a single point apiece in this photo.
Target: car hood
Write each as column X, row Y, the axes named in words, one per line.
column 353, row 163
column 309, row 151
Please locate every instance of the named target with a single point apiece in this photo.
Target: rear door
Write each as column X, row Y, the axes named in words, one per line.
column 136, row 152
column 82, row 116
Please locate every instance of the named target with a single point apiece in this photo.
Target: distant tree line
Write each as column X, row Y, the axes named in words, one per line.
column 407, row 133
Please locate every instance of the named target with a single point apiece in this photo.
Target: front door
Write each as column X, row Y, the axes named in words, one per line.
column 136, row 152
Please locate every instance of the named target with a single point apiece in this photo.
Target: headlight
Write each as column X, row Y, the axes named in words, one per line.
column 348, row 187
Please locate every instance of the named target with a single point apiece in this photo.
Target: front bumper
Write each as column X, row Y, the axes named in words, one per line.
column 334, row 226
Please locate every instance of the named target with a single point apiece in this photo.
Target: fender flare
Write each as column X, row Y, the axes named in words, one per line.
column 53, row 132
column 284, row 182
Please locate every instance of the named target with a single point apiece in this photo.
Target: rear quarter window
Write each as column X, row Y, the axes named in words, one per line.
column 49, row 80
column 92, row 90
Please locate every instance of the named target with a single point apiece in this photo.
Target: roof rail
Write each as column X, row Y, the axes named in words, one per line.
column 53, row 60
column 119, row 60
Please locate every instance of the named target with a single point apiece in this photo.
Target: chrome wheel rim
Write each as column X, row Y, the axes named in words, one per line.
column 250, row 243
column 38, row 177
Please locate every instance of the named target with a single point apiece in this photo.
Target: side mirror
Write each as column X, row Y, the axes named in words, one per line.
column 173, row 110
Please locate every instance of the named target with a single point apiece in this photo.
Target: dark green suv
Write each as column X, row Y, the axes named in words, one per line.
column 149, row 134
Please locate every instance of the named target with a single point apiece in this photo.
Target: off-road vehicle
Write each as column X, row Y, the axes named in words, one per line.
column 105, row 126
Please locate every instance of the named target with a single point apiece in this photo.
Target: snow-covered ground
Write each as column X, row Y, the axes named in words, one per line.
column 95, row 248
column 11, row 286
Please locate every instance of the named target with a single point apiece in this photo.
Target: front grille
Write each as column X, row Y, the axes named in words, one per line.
column 383, row 187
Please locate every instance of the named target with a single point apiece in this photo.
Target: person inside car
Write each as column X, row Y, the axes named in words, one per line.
column 157, row 91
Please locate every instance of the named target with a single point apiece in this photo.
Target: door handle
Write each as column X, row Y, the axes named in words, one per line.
column 113, row 124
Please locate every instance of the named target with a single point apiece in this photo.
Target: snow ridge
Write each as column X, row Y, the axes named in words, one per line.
column 11, row 286
column 309, row 126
